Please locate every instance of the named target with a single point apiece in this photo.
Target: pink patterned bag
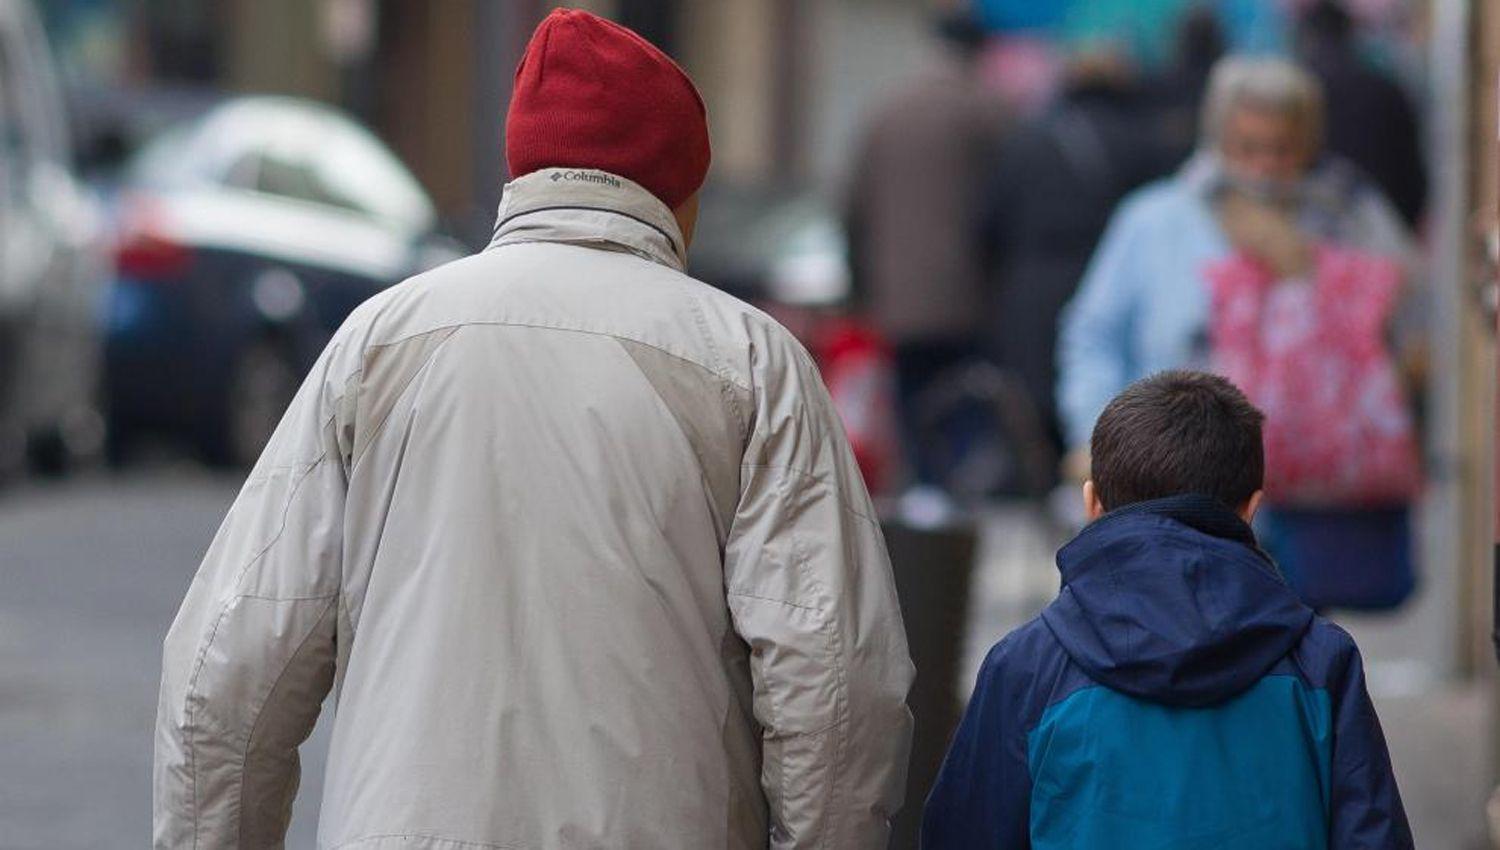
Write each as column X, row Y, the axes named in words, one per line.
column 1312, row 355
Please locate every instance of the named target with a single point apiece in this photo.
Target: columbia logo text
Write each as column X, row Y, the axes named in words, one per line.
column 586, row 177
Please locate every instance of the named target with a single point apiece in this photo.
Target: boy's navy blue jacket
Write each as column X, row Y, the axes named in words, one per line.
column 1175, row 695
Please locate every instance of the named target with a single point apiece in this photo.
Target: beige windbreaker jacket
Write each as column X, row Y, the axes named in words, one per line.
column 580, row 547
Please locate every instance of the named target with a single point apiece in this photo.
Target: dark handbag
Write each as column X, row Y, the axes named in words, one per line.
column 1355, row 559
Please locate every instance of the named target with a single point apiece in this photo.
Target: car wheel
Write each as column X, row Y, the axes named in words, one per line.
column 261, row 387
column 47, row 453
column 12, row 430
column 76, row 440
column 12, row 453
column 119, row 444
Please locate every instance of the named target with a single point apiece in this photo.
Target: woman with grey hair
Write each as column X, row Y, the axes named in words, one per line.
column 1233, row 264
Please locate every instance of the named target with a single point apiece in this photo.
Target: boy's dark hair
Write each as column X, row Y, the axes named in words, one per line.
column 1178, row 432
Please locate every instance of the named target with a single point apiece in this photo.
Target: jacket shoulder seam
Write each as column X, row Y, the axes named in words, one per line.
column 714, row 368
column 720, row 376
column 701, row 320
column 379, row 427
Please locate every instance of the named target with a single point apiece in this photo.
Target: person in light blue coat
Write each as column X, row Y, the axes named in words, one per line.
column 1257, row 185
column 1143, row 305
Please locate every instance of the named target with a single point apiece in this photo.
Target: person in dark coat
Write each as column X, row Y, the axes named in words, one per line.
column 1056, row 182
column 1176, row 693
column 1370, row 120
column 1177, row 91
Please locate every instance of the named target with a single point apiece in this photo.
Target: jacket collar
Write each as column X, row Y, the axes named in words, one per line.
column 1196, row 511
column 588, row 207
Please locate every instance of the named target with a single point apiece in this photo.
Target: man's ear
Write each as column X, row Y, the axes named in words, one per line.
column 1252, row 504
column 687, row 219
column 1091, row 504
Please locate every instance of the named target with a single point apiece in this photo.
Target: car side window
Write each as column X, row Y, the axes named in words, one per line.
column 313, row 156
column 357, row 172
column 289, row 177
column 302, row 174
column 244, row 171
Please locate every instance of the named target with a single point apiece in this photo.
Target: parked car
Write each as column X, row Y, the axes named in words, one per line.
column 243, row 238
column 52, row 269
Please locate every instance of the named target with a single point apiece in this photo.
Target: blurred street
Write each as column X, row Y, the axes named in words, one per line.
column 96, row 567
column 93, row 572
column 982, row 219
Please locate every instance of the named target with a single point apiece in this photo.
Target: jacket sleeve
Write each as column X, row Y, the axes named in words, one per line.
column 811, row 593
column 1365, row 807
column 1093, row 342
column 250, row 656
column 982, row 795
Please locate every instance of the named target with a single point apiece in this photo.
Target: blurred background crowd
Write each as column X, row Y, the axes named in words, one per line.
column 983, row 218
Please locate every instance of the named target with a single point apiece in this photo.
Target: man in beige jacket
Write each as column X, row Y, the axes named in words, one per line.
column 577, row 541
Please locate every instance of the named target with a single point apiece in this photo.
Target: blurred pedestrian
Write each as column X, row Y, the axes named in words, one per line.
column 1176, row 693
column 1056, row 182
column 1290, row 271
column 913, row 211
column 578, row 541
column 1177, row 91
column 1371, row 121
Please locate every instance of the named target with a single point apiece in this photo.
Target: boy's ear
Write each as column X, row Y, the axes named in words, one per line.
column 1091, row 504
column 1252, row 504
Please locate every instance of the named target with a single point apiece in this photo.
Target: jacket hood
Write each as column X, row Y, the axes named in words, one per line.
column 1172, row 601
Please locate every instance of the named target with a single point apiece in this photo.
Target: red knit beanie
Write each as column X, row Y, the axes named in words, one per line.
column 592, row 94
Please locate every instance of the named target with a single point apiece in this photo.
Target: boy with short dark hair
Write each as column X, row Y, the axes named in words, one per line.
column 1176, row 694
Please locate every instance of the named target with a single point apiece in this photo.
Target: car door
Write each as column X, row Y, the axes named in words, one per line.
column 51, row 269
